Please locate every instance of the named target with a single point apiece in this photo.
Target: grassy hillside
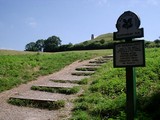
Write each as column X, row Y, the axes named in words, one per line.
column 104, row 41
column 104, row 38
column 104, row 98
column 20, row 67
column 108, row 37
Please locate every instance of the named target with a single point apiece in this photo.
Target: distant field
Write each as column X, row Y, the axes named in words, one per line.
column 13, row 52
column 105, row 98
column 20, row 67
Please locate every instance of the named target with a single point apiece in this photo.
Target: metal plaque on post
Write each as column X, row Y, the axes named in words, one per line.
column 129, row 54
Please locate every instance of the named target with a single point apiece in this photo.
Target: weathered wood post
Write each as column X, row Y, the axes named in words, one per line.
column 129, row 54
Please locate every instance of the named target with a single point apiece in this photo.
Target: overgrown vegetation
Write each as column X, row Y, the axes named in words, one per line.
column 50, row 105
column 20, row 67
column 105, row 97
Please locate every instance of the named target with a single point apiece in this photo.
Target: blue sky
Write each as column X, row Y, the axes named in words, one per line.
column 24, row 21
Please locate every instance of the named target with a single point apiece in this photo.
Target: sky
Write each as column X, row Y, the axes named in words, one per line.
column 73, row 21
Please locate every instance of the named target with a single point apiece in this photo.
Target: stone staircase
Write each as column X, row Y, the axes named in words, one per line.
column 55, row 92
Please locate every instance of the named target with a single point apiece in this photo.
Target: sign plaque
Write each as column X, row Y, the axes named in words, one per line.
column 129, row 54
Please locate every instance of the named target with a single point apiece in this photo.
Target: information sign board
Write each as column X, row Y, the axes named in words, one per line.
column 129, row 54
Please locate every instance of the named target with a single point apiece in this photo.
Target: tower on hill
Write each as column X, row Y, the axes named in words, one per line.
column 92, row 36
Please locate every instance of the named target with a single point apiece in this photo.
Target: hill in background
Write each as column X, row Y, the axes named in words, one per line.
column 104, row 41
column 108, row 37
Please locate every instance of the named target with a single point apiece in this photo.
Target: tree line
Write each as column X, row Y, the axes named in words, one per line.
column 53, row 44
column 49, row 45
column 153, row 44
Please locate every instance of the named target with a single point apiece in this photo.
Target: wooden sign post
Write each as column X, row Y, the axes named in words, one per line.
column 129, row 54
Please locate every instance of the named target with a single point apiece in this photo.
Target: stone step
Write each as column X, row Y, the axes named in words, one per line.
column 97, row 62
column 79, row 82
column 103, row 59
column 58, row 85
column 91, row 64
column 108, row 56
column 64, row 88
column 38, row 99
column 68, row 76
column 87, row 68
column 57, row 89
column 65, row 81
column 83, row 73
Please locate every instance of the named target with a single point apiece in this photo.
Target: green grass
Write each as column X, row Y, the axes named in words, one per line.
column 37, row 104
column 62, row 90
column 20, row 67
column 105, row 97
column 83, row 81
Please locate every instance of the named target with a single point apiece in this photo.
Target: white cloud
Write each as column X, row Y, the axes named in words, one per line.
column 31, row 22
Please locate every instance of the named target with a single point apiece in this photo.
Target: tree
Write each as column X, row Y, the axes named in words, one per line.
column 65, row 47
column 147, row 44
column 40, row 44
column 31, row 47
column 51, row 44
column 157, row 42
column 102, row 41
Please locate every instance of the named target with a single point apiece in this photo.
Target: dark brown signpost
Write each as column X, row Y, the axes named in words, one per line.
column 129, row 54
